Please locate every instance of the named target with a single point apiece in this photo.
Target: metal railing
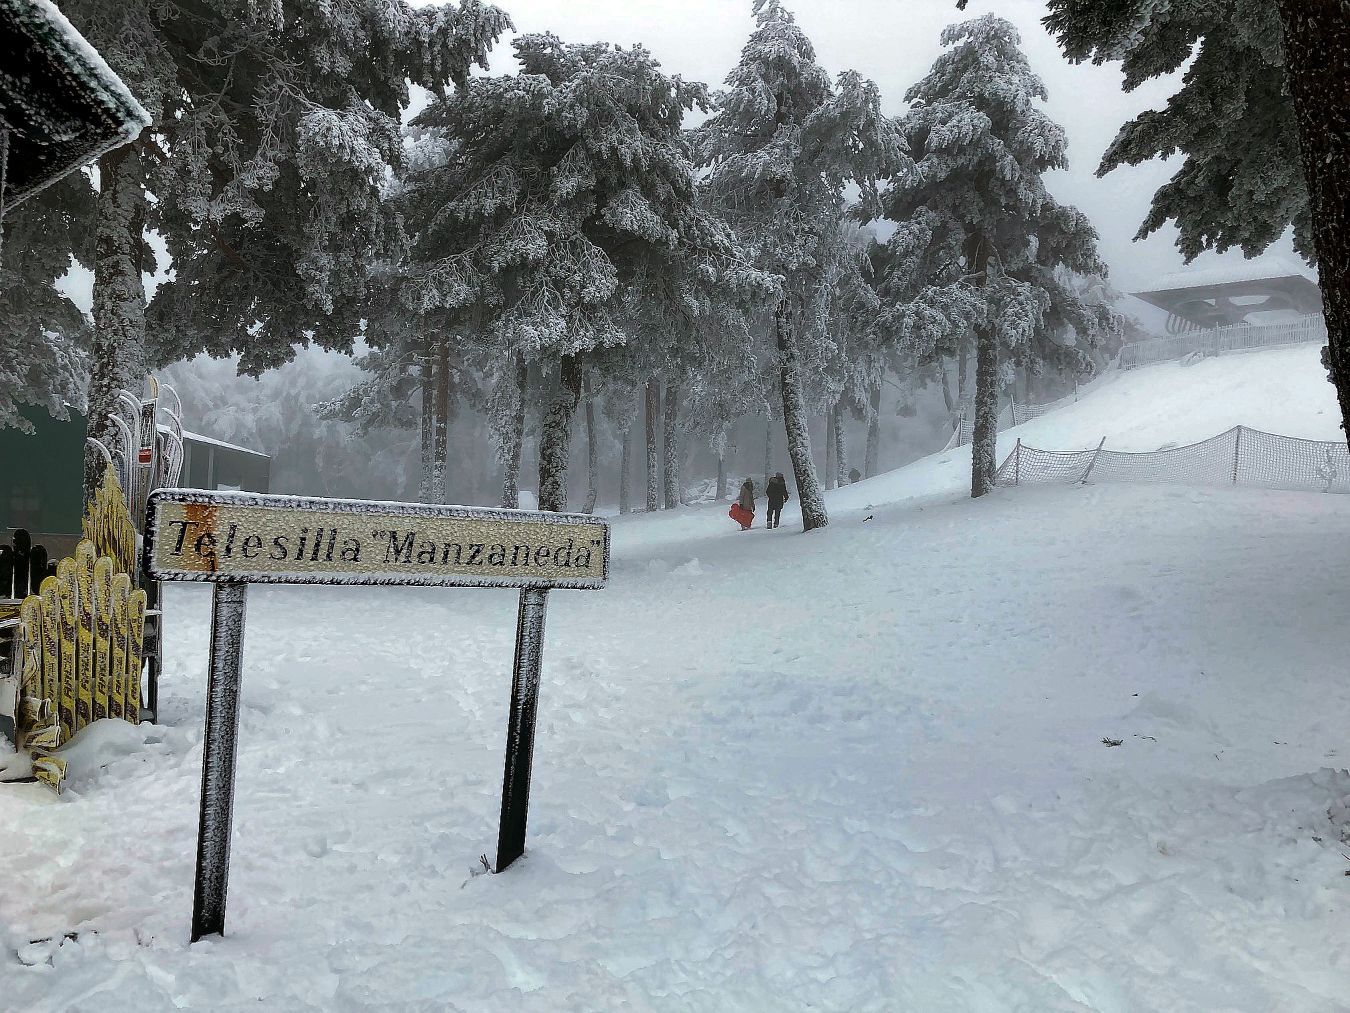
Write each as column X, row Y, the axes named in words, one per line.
column 1220, row 340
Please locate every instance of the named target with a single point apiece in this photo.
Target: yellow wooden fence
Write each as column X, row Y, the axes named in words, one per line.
column 81, row 638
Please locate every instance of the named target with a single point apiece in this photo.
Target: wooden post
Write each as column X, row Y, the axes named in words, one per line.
column 1093, row 463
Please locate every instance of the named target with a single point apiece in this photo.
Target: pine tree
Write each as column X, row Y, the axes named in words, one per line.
column 626, row 471
column 44, row 338
column 651, row 419
column 620, row 394
column 670, row 445
column 273, row 127
column 592, row 450
column 1262, row 118
column 980, row 238
column 564, row 201
column 782, row 149
column 506, row 414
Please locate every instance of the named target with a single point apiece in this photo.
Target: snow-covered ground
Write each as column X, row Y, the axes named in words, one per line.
column 858, row 770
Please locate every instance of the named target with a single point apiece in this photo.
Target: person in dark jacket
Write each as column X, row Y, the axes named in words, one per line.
column 777, row 494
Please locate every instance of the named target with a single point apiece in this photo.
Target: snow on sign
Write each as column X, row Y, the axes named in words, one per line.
column 291, row 540
column 235, row 539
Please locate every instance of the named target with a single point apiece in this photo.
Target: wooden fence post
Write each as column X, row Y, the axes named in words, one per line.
column 1093, row 463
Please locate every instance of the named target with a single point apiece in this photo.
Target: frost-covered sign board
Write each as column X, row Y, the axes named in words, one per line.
column 234, row 539
column 293, row 540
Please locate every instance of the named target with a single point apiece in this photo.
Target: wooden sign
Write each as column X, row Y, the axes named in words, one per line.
column 295, row 540
column 234, row 539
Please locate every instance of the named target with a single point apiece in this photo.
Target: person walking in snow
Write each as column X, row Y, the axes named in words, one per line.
column 743, row 510
column 777, row 494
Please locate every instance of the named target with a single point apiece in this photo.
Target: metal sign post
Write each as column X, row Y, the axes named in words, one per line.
column 235, row 539
column 218, row 754
column 520, row 729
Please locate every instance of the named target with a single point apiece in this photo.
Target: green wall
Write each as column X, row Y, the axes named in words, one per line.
column 41, row 475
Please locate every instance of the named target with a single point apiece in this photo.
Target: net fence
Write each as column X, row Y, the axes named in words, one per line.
column 1240, row 456
column 1219, row 340
column 1014, row 413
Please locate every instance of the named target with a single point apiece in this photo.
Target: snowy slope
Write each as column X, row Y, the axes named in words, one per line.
column 1284, row 391
column 856, row 770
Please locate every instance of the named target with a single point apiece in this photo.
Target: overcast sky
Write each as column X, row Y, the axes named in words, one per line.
column 894, row 42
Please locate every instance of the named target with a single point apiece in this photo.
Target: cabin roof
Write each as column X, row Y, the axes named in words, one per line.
column 63, row 106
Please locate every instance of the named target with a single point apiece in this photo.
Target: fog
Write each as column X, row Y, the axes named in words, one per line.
column 894, row 42
column 891, row 41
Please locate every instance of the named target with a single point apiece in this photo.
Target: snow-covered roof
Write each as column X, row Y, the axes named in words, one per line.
column 198, row 438
column 63, row 105
column 1260, row 269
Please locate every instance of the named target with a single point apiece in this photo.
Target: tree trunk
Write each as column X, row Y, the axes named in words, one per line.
column 516, row 439
column 671, row 446
column 118, row 360
column 831, row 469
column 947, row 389
column 840, row 444
column 984, row 438
column 768, row 450
column 428, row 370
column 962, row 369
column 722, row 476
column 809, row 496
column 653, row 423
column 870, row 461
column 1317, row 55
column 984, row 441
column 440, row 432
column 555, row 438
column 592, row 455
column 626, row 472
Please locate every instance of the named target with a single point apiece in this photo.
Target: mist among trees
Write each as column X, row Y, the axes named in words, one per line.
column 586, row 282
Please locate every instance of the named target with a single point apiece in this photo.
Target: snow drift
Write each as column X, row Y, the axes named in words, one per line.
column 1057, row 749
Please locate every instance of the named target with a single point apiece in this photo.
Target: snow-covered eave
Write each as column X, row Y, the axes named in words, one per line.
column 1260, row 269
column 210, row 441
column 52, row 78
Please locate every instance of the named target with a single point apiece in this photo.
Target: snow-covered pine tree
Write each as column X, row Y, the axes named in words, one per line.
column 726, row 379
column 273, row 127
column 782, row 149
column 651, row 421
column 565, row 189
column 397, row 391
column 1265, row 84
column 853, row 368
column 1080, row 331
column 626, row 470
column 670, row 447
column 592, row 449
column 872, row 454
column 44, row 338
column 619, row 392
column 979, row 237
column 506, row 406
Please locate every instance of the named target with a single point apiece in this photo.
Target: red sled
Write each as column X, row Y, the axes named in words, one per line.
column 740, row 515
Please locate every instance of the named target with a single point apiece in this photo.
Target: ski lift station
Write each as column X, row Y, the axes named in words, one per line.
column 41, row 473
column 1265, row 290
